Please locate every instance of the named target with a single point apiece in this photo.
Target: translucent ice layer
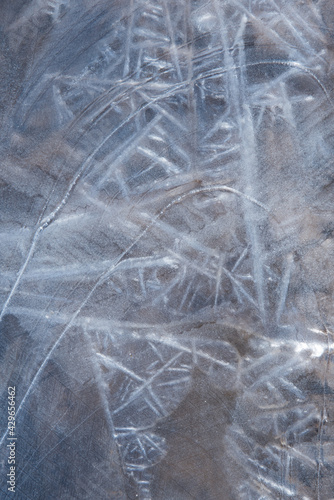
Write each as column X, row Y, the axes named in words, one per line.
column 167, row 252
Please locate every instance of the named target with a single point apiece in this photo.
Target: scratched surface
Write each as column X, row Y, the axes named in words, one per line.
column 167, row 253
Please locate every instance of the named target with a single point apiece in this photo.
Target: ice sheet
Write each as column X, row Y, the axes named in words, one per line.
column 167, row 255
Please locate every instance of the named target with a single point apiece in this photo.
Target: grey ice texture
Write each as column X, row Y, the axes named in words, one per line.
column 167, row 252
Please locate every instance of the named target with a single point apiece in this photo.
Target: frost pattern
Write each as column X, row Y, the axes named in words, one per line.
column 167, row 242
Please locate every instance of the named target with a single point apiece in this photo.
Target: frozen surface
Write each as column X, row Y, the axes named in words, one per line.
column 167, row 252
